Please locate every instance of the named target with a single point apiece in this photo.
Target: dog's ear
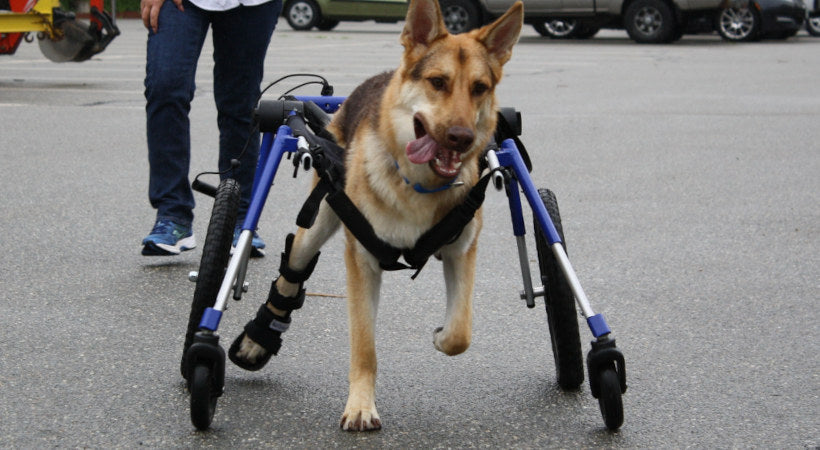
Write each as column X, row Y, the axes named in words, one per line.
column 500, row 36
column 423, row 25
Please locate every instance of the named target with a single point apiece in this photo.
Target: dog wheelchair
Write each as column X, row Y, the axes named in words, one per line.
column 294, row 127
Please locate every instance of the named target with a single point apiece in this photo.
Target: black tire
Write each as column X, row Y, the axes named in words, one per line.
column 609, row 398
column 556, row 28
column 215, row 256
column 650, row 22
column 460, row 16
column 327, row 24
column 562, row 315
column 738, row 24
column 302, row 15
column 583, row 31
column 813, row 25
column 203, row 398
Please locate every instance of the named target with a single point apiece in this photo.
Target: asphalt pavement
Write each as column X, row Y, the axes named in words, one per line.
column 688, row 177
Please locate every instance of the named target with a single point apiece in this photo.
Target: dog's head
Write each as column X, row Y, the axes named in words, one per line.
column 448, row 88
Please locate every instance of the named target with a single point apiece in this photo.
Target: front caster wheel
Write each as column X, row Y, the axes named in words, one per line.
column 203, row 397
column 609, row 398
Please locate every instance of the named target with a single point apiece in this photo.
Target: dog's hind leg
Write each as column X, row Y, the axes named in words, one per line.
column 363, row 283
column 262, row 335
column 459, row 274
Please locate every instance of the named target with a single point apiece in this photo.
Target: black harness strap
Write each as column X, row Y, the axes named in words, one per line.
column 355, row 221
column 331, row 188
column 328, row 161
column 448, row 229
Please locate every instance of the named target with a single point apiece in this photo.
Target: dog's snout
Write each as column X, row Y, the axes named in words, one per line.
column 460, row 138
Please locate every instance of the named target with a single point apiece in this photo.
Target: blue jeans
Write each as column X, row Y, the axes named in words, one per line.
column 240, row 40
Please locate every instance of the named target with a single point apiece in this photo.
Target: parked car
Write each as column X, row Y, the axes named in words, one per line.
column 649, row 21
column 756, row 19
column 813, row 19
column 303, row 15
column 646, row 21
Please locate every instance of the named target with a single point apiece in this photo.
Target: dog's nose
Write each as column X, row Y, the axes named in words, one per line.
column 459, row 138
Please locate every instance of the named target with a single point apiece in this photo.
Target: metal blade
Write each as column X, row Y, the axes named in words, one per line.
column 77, row 44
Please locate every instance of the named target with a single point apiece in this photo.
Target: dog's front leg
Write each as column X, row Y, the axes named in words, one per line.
column 459, row 274
column 252, row 355
column 363, row 283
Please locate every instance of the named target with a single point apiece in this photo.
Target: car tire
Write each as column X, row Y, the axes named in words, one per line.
column 327, row 24
column 460, row 16
column 738, row 24
column 302, row 15
column 583, row 31
column 813, row 25
column 650, row 22
column 556, row 28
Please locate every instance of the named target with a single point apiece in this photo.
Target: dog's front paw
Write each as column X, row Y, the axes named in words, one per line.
column 247, row 354
column 250, row 350
column 450, row 343
column 361, row 419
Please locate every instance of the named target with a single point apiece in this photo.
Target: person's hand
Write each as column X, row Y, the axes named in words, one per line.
column 150, row 12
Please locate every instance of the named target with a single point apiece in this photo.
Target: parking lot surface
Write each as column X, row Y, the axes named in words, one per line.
column 688, row 177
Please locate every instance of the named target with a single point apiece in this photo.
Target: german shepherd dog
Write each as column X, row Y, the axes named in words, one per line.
column 424, row 124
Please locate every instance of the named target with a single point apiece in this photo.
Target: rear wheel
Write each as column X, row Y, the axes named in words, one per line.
column 738, row 24
column 650, row 21
column 562, row 316
column 302, row 15
column 215, row 255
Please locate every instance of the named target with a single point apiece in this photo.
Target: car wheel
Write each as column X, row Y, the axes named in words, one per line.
column 813, row 25
column 460, row 15
column 583, row 31
column 327, row 24
column 650, row 21
column 302, row 15
column 556, row 28
column 738, row 24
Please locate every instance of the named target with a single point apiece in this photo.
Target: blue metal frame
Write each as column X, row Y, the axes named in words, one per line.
column 508, row 156
column 275, row 145
column 270, row 155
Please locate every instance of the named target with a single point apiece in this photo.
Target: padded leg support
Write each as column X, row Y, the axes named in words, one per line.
column 266, row 328
column 291, row 275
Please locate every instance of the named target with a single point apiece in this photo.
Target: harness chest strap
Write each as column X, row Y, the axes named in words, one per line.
column 447, row 230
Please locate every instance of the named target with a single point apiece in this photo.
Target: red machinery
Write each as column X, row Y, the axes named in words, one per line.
column 61, row 37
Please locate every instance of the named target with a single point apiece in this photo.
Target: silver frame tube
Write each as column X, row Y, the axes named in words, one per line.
column 241, row 254
column 574, row 284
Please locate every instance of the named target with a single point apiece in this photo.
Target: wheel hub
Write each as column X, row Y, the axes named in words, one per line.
column 736, row 23
column 301, row 14
column 455, row 18
column 648, row 20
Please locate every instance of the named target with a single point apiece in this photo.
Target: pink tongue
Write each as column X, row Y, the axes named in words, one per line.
column 421, row 150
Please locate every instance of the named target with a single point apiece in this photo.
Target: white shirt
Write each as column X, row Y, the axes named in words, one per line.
column 224, row 5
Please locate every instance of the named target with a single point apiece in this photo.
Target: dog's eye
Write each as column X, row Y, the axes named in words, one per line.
column 438, row 83
column 480, row 89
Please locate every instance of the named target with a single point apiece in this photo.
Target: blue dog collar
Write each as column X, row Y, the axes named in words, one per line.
column 423, row 190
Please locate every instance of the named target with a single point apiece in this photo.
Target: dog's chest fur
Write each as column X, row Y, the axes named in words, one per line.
column 364, row 126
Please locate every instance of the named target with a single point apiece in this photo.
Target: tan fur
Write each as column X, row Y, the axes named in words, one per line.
column 447, row 82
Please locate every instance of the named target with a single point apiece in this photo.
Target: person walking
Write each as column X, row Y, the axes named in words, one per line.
column 241, row 32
